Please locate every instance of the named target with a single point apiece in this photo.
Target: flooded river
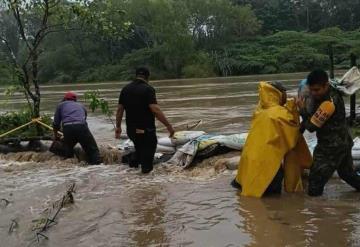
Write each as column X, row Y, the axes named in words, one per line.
column 117, row 206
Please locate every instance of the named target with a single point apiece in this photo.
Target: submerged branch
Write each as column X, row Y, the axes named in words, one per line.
column 14, row 224
column 54, row 210
column 6, row 201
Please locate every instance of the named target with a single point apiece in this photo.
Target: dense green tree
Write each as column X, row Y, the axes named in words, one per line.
column 106, row 39
column 305, row 15
column 171, row 35
column 25, row 26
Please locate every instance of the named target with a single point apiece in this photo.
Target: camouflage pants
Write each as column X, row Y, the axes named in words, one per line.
column 326, row 162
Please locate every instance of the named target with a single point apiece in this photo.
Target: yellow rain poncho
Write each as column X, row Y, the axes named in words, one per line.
column 274, row 139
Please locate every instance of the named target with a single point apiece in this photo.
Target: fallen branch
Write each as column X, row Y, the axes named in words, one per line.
column 13, row 225
column 45, row 223
column 6, row 201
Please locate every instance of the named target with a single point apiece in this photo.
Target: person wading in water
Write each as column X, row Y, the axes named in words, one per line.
column 138, row 100
column 72, row 115
column 328, row 119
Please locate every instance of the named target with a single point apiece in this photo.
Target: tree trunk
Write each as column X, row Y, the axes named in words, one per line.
column 36, row 108
column 37, row 97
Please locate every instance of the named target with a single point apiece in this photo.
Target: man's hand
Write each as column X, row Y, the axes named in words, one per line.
column 300, row 102
column 118, row 133
column 171, row 130
column 57, row 136
column 119, row 116
column 161, row 117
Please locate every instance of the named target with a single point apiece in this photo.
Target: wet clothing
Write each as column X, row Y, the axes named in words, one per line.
column 335, row 132
column 275, row 186
column 326, row 162
column 333, row 150
column 80, row 133
column 72, row 117
column 275, row 132
column 145, row 148
column 69, row 112
column 136, row 99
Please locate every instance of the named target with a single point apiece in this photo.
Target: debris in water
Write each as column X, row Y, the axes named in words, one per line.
column 229, row 163
column 109, row 154
column 44, row 223
column 13, row 226
column 275, row 216
column 4, row 202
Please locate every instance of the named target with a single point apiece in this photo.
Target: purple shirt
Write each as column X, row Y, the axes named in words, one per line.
column 69, row 112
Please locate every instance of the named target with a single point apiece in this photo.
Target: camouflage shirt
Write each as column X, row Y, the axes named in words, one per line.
column 334, row 133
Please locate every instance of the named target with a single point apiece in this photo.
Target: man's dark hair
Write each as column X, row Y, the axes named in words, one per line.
column 279, row 86
column 317, row 77
column 143, row 72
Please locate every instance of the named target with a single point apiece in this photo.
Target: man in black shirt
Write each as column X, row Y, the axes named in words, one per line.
column 138, row 100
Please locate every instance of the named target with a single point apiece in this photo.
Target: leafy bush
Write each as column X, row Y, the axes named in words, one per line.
column 12, row 120
column 198, row 71
column 298, row 57
column 96, row 102
column 288, row 51
column 201, row 67
column 63, row 78
column 109, row 72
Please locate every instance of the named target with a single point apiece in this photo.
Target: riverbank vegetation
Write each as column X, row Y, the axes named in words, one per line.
column 11, row 120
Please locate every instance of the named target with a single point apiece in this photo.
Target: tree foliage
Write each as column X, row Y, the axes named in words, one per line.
column 24, row 26
column 102, row 40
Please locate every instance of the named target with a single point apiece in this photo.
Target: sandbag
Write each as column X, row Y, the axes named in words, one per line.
column 236, row 141
column 207, row 146
column 166, row 141
column 356, row 149
column 125, row 145
column 349, row 83
column 208, row 151
column 165, row 149
column 229, row 163
column 183, row 137
column 129, row 145
column 211, row 151
column 312, row 142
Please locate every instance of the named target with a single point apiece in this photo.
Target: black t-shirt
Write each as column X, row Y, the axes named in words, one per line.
column 136, row 98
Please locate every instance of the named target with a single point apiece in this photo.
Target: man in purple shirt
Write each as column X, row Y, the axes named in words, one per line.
column 71, row 116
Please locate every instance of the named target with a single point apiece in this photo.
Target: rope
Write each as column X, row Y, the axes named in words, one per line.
column 34, row 120
column 37, row 120
column 18, row 128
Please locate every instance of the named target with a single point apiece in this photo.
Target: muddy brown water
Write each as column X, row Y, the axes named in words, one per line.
column 116, row 206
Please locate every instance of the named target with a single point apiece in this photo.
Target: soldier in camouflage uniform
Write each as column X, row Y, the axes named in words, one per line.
column 333, row 150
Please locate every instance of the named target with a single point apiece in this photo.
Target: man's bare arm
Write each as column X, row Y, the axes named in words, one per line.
column 119, row 117
column 161, row 117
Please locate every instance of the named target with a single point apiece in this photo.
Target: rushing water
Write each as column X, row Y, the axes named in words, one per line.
column 117, row 206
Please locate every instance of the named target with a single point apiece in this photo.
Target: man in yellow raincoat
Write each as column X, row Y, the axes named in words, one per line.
column 274, row 150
